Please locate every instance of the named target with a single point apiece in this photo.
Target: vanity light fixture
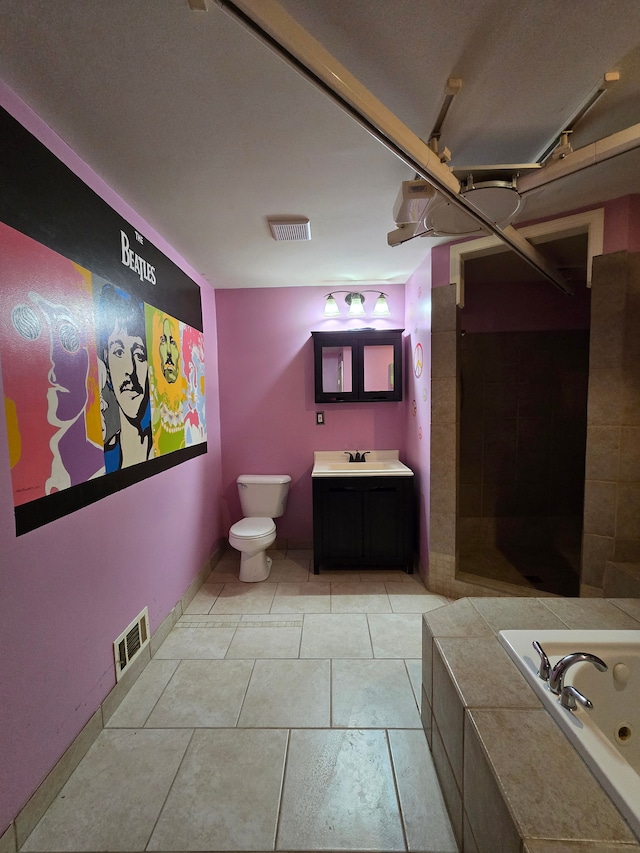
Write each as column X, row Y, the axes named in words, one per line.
column 355, row 301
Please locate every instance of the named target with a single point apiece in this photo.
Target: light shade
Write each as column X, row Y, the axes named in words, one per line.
column 331, row 306
column 355, row 301
column 381, row 308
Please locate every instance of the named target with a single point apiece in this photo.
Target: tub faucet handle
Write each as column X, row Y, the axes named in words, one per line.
column 545, row 665
column 570, row 697
column 350, row 455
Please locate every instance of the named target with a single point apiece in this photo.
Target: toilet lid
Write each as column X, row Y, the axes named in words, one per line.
column 249, row 528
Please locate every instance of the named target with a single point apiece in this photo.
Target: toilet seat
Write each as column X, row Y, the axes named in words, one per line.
column 250, row 528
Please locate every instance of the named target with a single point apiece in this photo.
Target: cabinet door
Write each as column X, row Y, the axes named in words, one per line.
column 341, row 507
column 383, row 534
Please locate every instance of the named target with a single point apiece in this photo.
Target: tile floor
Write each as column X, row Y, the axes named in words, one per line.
column 282, row 715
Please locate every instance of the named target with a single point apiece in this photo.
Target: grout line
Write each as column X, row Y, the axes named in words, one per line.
column 396, row 789
column 282, row 784
column 244, row 697
column 161, row 694
column 173, row 781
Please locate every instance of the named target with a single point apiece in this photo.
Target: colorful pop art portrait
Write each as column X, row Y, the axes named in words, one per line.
column 195, row 422
column 124, row 378
column 49, row 369
column 166, row 379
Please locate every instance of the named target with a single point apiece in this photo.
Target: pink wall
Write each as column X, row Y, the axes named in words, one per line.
column 534, row 306
column 622, row 225
column 267, row 398
column 69, row 588
column 418, row 394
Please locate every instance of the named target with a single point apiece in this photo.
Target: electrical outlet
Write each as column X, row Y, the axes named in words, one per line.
column 320, row 418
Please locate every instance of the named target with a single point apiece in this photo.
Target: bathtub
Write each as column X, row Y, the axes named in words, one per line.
column 608, row 736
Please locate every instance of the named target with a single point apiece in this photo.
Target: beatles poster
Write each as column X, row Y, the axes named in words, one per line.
column 101, row 343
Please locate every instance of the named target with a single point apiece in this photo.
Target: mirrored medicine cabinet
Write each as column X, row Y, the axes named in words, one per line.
column 358, row 366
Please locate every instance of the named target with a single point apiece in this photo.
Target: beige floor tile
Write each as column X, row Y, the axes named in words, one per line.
column 196, row 643
column 382, row 575
column 335, row 635
column 289, row 571
column 268, row 640
column 136, row 706
column 277, row 553
column 280, row 620
column 204, row 598
column 412, row 598
column 414, row 669
column 288, row 694
column 372, row 694
column 359, row 597
column 396, row 635
column 203, row 693
column 340, row 575
column 302, row 598
column 423, row 810
column 245, row 598
column 227, row 570
column 339, row 793
column 226, row 794
column 241, row 669
column 112, row 800
column 300, row 554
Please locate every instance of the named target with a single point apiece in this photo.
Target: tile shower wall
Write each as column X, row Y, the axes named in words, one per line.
column 612, row 486
column 522, row 437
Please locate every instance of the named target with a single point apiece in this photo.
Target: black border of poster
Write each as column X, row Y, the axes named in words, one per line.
column 45, row 200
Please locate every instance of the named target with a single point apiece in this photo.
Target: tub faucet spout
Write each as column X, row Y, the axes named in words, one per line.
column 557, row 674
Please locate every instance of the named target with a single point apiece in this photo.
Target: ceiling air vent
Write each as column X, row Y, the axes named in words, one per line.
column 131, row 642
column 291, row 228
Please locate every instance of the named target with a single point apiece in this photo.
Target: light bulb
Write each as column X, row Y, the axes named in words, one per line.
column 356, row 308
column 381, row 308
column 331, row 307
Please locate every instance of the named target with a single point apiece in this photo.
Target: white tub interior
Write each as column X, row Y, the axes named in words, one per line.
column 608, row 736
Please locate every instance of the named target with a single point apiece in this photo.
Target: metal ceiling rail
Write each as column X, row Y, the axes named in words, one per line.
column 272, row 24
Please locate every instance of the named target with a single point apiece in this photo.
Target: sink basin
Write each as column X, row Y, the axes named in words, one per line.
column 354, row 467
column 381, row 463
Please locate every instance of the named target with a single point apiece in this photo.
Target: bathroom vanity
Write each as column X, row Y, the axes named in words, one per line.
column 362, row 511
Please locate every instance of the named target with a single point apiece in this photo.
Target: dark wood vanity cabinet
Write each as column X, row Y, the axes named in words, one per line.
column 361, row 522
column 358, row 366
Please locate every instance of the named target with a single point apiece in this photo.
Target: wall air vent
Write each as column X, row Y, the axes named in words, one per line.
column 131, row 642
column 290, row 228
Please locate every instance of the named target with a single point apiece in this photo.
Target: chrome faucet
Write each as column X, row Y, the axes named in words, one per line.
column 557, row 674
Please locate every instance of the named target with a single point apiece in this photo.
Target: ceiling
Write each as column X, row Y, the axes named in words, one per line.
column 206, row 132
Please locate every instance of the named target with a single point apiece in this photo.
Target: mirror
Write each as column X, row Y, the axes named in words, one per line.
column 337, row 373
column 378, row 368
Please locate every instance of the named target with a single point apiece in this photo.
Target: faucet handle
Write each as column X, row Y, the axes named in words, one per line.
column 349, row 454
column 570, row 696
column 545, row 665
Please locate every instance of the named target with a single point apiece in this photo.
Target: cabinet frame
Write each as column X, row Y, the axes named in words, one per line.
column 358, row 339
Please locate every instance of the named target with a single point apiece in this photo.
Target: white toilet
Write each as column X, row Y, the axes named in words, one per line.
column 263, row 497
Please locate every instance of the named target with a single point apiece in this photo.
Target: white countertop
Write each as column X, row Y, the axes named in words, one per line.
column 379, row 463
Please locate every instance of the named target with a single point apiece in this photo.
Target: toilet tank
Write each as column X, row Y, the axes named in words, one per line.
column 263, row 495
